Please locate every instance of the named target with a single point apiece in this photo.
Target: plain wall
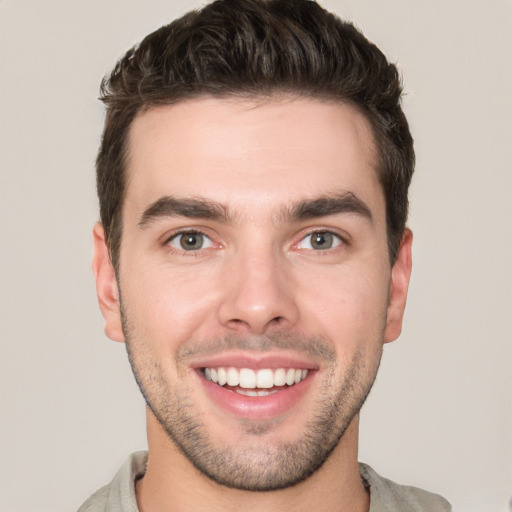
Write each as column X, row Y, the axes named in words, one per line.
column 439, row 416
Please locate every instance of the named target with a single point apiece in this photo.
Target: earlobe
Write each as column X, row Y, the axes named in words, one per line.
column 106, row 286
column 400, row 276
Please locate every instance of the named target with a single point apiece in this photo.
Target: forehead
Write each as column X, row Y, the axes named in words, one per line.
column 251, row 154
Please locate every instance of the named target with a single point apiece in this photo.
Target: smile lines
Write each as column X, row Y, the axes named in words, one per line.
column 250, row 380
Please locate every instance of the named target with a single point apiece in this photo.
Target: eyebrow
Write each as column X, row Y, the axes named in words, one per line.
column 199, row 208
column 192, row 208
column 344, row 202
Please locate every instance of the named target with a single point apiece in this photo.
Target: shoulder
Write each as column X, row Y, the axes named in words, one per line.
column 97, row 502
column 119, row 495
column 386, row 495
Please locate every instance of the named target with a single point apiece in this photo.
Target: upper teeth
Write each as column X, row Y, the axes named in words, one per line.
column 247, row 378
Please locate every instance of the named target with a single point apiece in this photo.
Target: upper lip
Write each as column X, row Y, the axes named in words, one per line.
column 254, row 361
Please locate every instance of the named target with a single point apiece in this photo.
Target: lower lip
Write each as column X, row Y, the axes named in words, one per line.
column 257, row 407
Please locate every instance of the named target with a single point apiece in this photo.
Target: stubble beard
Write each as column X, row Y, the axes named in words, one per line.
column 258, row 465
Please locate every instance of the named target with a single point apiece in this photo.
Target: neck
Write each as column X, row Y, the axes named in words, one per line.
column 172, row 483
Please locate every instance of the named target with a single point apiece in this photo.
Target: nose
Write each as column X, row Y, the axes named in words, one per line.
column 258, row 294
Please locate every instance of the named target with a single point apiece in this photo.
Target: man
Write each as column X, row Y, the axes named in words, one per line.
column 253, row 256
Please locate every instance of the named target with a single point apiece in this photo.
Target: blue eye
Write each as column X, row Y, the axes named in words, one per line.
column 320, row 241
column 190, row 241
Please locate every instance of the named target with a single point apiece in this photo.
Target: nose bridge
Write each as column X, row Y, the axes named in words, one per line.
column 258, row 292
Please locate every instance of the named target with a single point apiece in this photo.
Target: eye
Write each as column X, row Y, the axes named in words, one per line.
column 320, row 241
column 190, row 241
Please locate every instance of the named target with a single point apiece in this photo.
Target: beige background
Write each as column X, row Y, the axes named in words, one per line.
column 440, row 414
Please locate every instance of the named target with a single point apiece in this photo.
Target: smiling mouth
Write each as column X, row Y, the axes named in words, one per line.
column 248, row 382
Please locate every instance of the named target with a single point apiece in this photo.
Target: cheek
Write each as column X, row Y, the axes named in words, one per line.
column 168, row 307
column 348, row 304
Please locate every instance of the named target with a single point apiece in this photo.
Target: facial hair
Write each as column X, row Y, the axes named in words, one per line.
column 257, row 465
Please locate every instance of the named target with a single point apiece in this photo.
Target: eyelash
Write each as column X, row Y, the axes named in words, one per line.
column 185, row 232
column 338, row 239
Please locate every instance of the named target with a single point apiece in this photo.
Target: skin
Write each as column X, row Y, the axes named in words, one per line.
column 257, row 290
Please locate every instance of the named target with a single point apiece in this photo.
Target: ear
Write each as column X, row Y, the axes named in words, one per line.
column 400, row 276
column 106, row 286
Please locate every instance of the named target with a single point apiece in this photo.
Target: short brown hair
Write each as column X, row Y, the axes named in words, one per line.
column 254, row 48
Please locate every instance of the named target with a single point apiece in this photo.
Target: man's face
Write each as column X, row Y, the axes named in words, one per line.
column 255, row 285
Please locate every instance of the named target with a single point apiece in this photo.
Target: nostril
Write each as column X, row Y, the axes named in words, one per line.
column 238, row 323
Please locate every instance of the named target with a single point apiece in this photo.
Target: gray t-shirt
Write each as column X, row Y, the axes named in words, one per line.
column 385, row 495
